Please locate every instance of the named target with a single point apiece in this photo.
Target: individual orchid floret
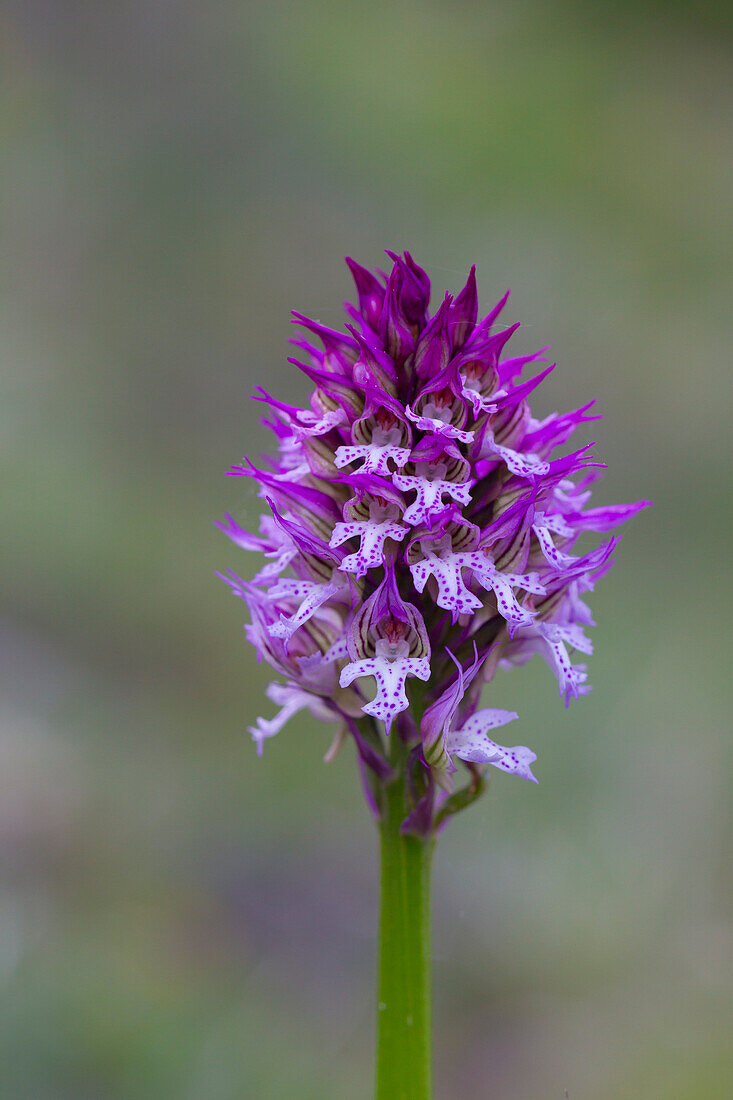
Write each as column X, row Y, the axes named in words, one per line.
column 471, row 743
column 550, row 641
column 388, row 641
column 437, row 474
column 418, row 508
column 438, row 559
column 274, row 544
column 502, row 585
column 529, row 465
column 372, row 517
column 291, row 699
column 377, row 454
column 380, row 439
column 372, row 534
column 445, row 734
column 435, row 419
column 543, row 528
column 308, row 596
column 431, row 488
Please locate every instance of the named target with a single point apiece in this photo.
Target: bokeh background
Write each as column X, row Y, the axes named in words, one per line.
column 180, row 920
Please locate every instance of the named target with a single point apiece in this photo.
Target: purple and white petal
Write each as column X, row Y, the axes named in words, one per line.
column 471, row 743
column 428, row 501
column 527, row 465
column 502, row 585
column 311, row 594
column 390, row 675
column 291, row 699
column 432, row 421
column 554, row 557
column 372, row 537
column 310, row 424
column 376, row 457
column 452, row 593
column 571, row 678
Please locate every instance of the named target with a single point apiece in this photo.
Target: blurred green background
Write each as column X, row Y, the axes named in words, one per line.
column 179, row 919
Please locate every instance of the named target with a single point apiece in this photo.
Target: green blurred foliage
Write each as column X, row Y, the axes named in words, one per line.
column 179, row 919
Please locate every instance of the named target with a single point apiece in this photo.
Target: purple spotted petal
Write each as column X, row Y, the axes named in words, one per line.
column 430, row 496
column 372, row 537
column 436, row 426
column 471, row 743
column 390, row 676
column 376, row 457
column 291, row 699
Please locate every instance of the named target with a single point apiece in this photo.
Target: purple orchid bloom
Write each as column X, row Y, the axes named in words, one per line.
column 420, row 519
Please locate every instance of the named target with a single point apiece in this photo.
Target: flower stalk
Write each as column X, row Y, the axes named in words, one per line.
column 403, row 1066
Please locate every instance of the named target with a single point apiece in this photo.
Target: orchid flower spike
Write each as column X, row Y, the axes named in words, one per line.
column 420, row 535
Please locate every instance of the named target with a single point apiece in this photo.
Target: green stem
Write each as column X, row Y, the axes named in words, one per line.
column 403, row 1016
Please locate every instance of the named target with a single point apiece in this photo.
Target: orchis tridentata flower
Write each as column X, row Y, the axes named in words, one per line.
column 421, row 535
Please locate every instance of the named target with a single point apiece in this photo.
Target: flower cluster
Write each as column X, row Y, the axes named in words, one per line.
column 420, row 531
